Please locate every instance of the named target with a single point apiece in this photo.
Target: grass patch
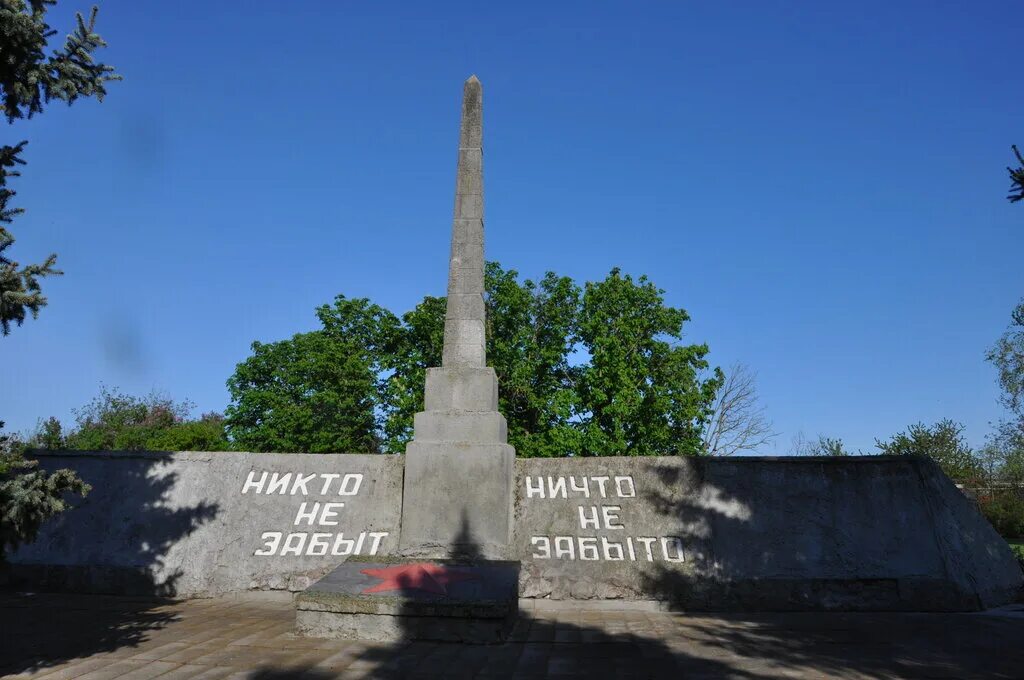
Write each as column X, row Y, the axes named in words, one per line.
column 1018, row 549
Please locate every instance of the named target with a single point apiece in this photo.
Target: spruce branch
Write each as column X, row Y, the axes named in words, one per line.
column 1016, row 178
column 29, row 78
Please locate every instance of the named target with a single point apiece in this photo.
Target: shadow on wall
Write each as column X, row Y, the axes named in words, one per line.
column 700, row 516
column 123, row 554
column 813, row 534
column 570, row 643
column 45, row 630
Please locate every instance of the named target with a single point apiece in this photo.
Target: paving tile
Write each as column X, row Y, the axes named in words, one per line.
column 73, row 669
column 116, row 669
column 148, row 670
column 93, row 637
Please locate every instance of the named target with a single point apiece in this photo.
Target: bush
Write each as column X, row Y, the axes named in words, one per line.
column 943, row 442
column 117, row 422
column 1005, row 511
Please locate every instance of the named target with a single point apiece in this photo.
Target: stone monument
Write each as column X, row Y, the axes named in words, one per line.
column 440, row 543
column 457, row 496
column 459, row 468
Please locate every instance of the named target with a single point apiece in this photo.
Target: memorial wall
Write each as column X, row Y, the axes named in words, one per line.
column 698, row 533
column 208, row 523
column 863, row 532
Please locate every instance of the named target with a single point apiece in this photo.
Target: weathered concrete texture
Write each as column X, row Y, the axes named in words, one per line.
column 871, row 533
column 461, row 389
column 412, row 600
column 464, row 320
column 458, row 478
column 187, row 524
column 458, row 499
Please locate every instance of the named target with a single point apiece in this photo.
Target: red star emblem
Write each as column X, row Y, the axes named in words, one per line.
column 431, row 578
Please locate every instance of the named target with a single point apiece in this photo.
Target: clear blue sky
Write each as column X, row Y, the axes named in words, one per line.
column 821, row 185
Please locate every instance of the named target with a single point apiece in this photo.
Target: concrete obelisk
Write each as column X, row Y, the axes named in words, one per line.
column 457, row 496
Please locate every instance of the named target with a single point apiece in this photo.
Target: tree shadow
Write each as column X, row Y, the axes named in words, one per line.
column 774, row 529
column 87, row 550
column 535, row 647
column 570, row 642
column 41, row 630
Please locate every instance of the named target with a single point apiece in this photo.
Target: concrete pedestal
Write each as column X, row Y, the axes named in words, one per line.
column 438, row 600
column 457, row 500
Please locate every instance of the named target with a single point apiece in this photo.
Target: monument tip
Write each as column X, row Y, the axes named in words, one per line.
column 472, row 80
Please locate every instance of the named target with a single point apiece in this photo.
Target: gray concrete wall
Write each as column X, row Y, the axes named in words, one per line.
column 743, row 533
column 749, row 533
column 206, row 523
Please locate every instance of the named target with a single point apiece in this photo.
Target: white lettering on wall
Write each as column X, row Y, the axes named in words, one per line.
column 350, row 484
column 313, row 514
column 532, row 490
column 300, row 482
column 596, row 486
column 590, row 548
column 601, row 519
column 588, row 522
column 542, row 547
column 279, row 484
column 620, row 487
column 317, row 544
column 610, row 515
column 249, row 483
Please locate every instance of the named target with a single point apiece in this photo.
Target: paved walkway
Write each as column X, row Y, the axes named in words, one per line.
column 94, row 638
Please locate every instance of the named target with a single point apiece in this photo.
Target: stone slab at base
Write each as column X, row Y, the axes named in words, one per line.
column 440, row 600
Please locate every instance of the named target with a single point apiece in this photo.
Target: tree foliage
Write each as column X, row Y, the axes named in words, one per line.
column 318, row 392
column 1007, row 355
column 531, row 331
column 593, row 371
column 29, row 496
column 113, row 421
column 1004, row 449
column 641, row 392
column 943, row 442
column 1003, row 453
column 29, row 79
column 822, row 446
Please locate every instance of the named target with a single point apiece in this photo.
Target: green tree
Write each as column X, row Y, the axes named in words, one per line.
column 943, row 442
column 113, row 421
column 829, row 446
column 318, row 392
column 29, row 496
column 29, row 79
column 1016, row 178
column 530, row 337
column 640, row 393
column 822, row 446
column 1003, row 454
column 1005, row 447
column 49, row 435
column 1007, row 355
column 533, row 335
column 418, row 348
